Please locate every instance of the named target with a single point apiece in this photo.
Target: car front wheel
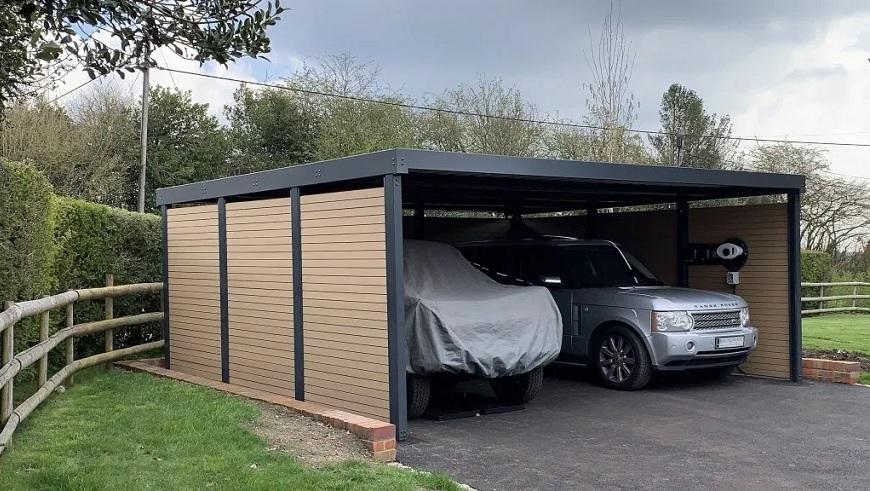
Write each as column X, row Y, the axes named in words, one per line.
column 518, row 389
column 621, row 360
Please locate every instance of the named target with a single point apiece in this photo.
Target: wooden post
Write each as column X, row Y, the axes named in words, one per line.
column 70, row 342
column 821, row 294
column 854, row 293
column 43, row 335
column 6, row 394
column 110, row 312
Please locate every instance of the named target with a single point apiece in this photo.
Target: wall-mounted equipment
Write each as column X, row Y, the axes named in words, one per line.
column 731, row 253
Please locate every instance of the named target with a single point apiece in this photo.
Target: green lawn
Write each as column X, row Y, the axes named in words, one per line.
column 849, row 332
column 131, row 431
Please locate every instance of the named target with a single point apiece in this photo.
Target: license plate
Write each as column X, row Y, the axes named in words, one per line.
column 729, row 342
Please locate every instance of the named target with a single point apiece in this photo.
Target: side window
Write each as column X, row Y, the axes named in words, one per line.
column 538, row 261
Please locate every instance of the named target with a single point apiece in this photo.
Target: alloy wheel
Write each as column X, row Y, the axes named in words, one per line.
column 616, row 358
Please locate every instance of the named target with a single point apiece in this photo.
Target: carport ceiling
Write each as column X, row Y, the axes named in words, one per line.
column 489, row 182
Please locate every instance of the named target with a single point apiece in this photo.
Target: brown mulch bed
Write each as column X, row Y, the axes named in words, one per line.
column 840, row 355
column 312, row 442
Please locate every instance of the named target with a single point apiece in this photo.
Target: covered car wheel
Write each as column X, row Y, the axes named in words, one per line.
column 621, row 360
column 518, row 389
column 418, row 395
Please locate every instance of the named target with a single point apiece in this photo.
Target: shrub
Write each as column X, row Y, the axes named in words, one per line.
column 26, row 241
column 816, row 266
column 50, row 244
column 95, row 240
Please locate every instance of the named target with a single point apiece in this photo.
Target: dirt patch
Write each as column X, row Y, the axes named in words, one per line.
column 312, row 442
column 840, row 355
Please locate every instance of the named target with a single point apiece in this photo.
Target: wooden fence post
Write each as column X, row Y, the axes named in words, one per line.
column 43, row 335
column 854, row 293
column 70, row 342
column 6, row 394
column 821, row 294
column 110, row 313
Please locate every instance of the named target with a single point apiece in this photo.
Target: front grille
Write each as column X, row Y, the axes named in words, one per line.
column 716, row 320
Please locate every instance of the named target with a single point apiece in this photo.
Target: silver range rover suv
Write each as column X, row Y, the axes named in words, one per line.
column 618, row 318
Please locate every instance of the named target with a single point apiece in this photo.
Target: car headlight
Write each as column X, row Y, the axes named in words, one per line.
column 677, row 320
column 744, row 317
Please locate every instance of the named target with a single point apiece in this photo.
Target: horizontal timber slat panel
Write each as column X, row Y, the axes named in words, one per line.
column 354, row 390
column 282, row 218
column 325, row 319
column 258, row 203
column 256, row 376
column 274, row 299
column 258, row 386
column 312, row 241
column 336, row 281
column 258, row 359
column 243, row 308
column 346, row 336
column 343, row 353
column 345, row 313
column 351, row 346
column 345, row 296
column 354, row 195
column 327, row 398
column 336, row 360
column 339, row 376
column 312, row 207
column 377, row 228
column 357, row 211
column 335, row 223
column 350, row 275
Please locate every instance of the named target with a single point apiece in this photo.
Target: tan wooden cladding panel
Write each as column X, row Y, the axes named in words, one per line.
column 260, row 295
column 194, row 290
column 763, row 280
column 345, row 301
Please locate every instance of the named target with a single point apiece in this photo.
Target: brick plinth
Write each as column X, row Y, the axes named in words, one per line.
column 841, row 372
column 378, row 436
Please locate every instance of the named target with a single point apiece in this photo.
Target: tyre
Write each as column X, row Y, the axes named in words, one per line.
column 518, row 389
column 620, row 359
column 418, row 395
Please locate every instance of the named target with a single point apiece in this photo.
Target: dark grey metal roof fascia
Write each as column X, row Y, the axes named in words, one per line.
column 327, row 171
column 425, row 160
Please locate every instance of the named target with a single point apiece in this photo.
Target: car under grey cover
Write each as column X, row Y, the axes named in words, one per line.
column 459, row 321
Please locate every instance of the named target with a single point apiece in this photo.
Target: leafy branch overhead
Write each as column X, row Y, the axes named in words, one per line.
column 44, row 39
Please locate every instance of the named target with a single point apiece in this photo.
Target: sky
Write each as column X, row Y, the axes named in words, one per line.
column 795, row 69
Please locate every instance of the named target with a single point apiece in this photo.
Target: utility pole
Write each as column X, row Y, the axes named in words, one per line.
column 146, row 88
column 143, row 134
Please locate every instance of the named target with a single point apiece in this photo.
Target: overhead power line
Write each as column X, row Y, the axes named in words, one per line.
column 77, row 87
column 455, row 112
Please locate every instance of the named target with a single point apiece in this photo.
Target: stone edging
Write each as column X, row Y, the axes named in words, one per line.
column 379, row 437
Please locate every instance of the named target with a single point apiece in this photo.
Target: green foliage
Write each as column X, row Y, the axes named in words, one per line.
column 692, row 137
column 131, row 431
column 270, row 128
column 26, row 239
column 95, row 240
column 816, row 266
column 41, row 38
column 50, row 244
column 185, row 144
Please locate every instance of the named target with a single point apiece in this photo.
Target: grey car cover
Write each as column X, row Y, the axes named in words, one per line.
column 460, row 321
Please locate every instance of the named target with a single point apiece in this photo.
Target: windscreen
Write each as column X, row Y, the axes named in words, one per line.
column 588, row 266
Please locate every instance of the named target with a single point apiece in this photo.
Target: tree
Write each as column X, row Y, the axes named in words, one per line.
column 270, row 128
column 835, row 212
column 611, row 105
column 691, row 137
column 510, row 132
column 185, row 143
column 348, row 125
column 42, row 39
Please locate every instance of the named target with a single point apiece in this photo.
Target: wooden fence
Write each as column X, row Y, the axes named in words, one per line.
column 852, row 298
column 11, row 417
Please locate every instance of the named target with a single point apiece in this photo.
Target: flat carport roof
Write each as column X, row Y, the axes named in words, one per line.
column 473, row 181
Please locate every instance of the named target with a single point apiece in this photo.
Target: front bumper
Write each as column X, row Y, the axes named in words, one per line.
column 674, row 351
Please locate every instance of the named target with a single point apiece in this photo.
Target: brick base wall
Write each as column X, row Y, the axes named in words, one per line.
column 841, row 372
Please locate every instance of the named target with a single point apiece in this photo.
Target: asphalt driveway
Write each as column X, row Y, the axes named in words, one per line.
column 743, row 433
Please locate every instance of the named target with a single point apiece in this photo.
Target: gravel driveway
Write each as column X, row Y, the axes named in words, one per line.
column 743, row 433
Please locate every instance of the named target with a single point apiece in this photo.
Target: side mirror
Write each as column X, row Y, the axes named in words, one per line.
column 550, row 280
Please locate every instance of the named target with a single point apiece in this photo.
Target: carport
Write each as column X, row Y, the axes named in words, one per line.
column 290, row 280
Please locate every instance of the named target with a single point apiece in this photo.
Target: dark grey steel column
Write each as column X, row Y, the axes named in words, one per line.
column 165, row 293
column 224, row 290
column 682, row 243
column 298, row 340
column 396, row 305
column 794, row 285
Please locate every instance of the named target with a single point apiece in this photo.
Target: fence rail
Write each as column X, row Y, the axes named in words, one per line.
column 11, row 364
column 821, row 298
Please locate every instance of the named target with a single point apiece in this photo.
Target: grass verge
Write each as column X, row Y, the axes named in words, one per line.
column 839, row 332
column 129, row 431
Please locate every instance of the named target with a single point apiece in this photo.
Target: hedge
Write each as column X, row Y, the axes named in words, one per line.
column 50, row 244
